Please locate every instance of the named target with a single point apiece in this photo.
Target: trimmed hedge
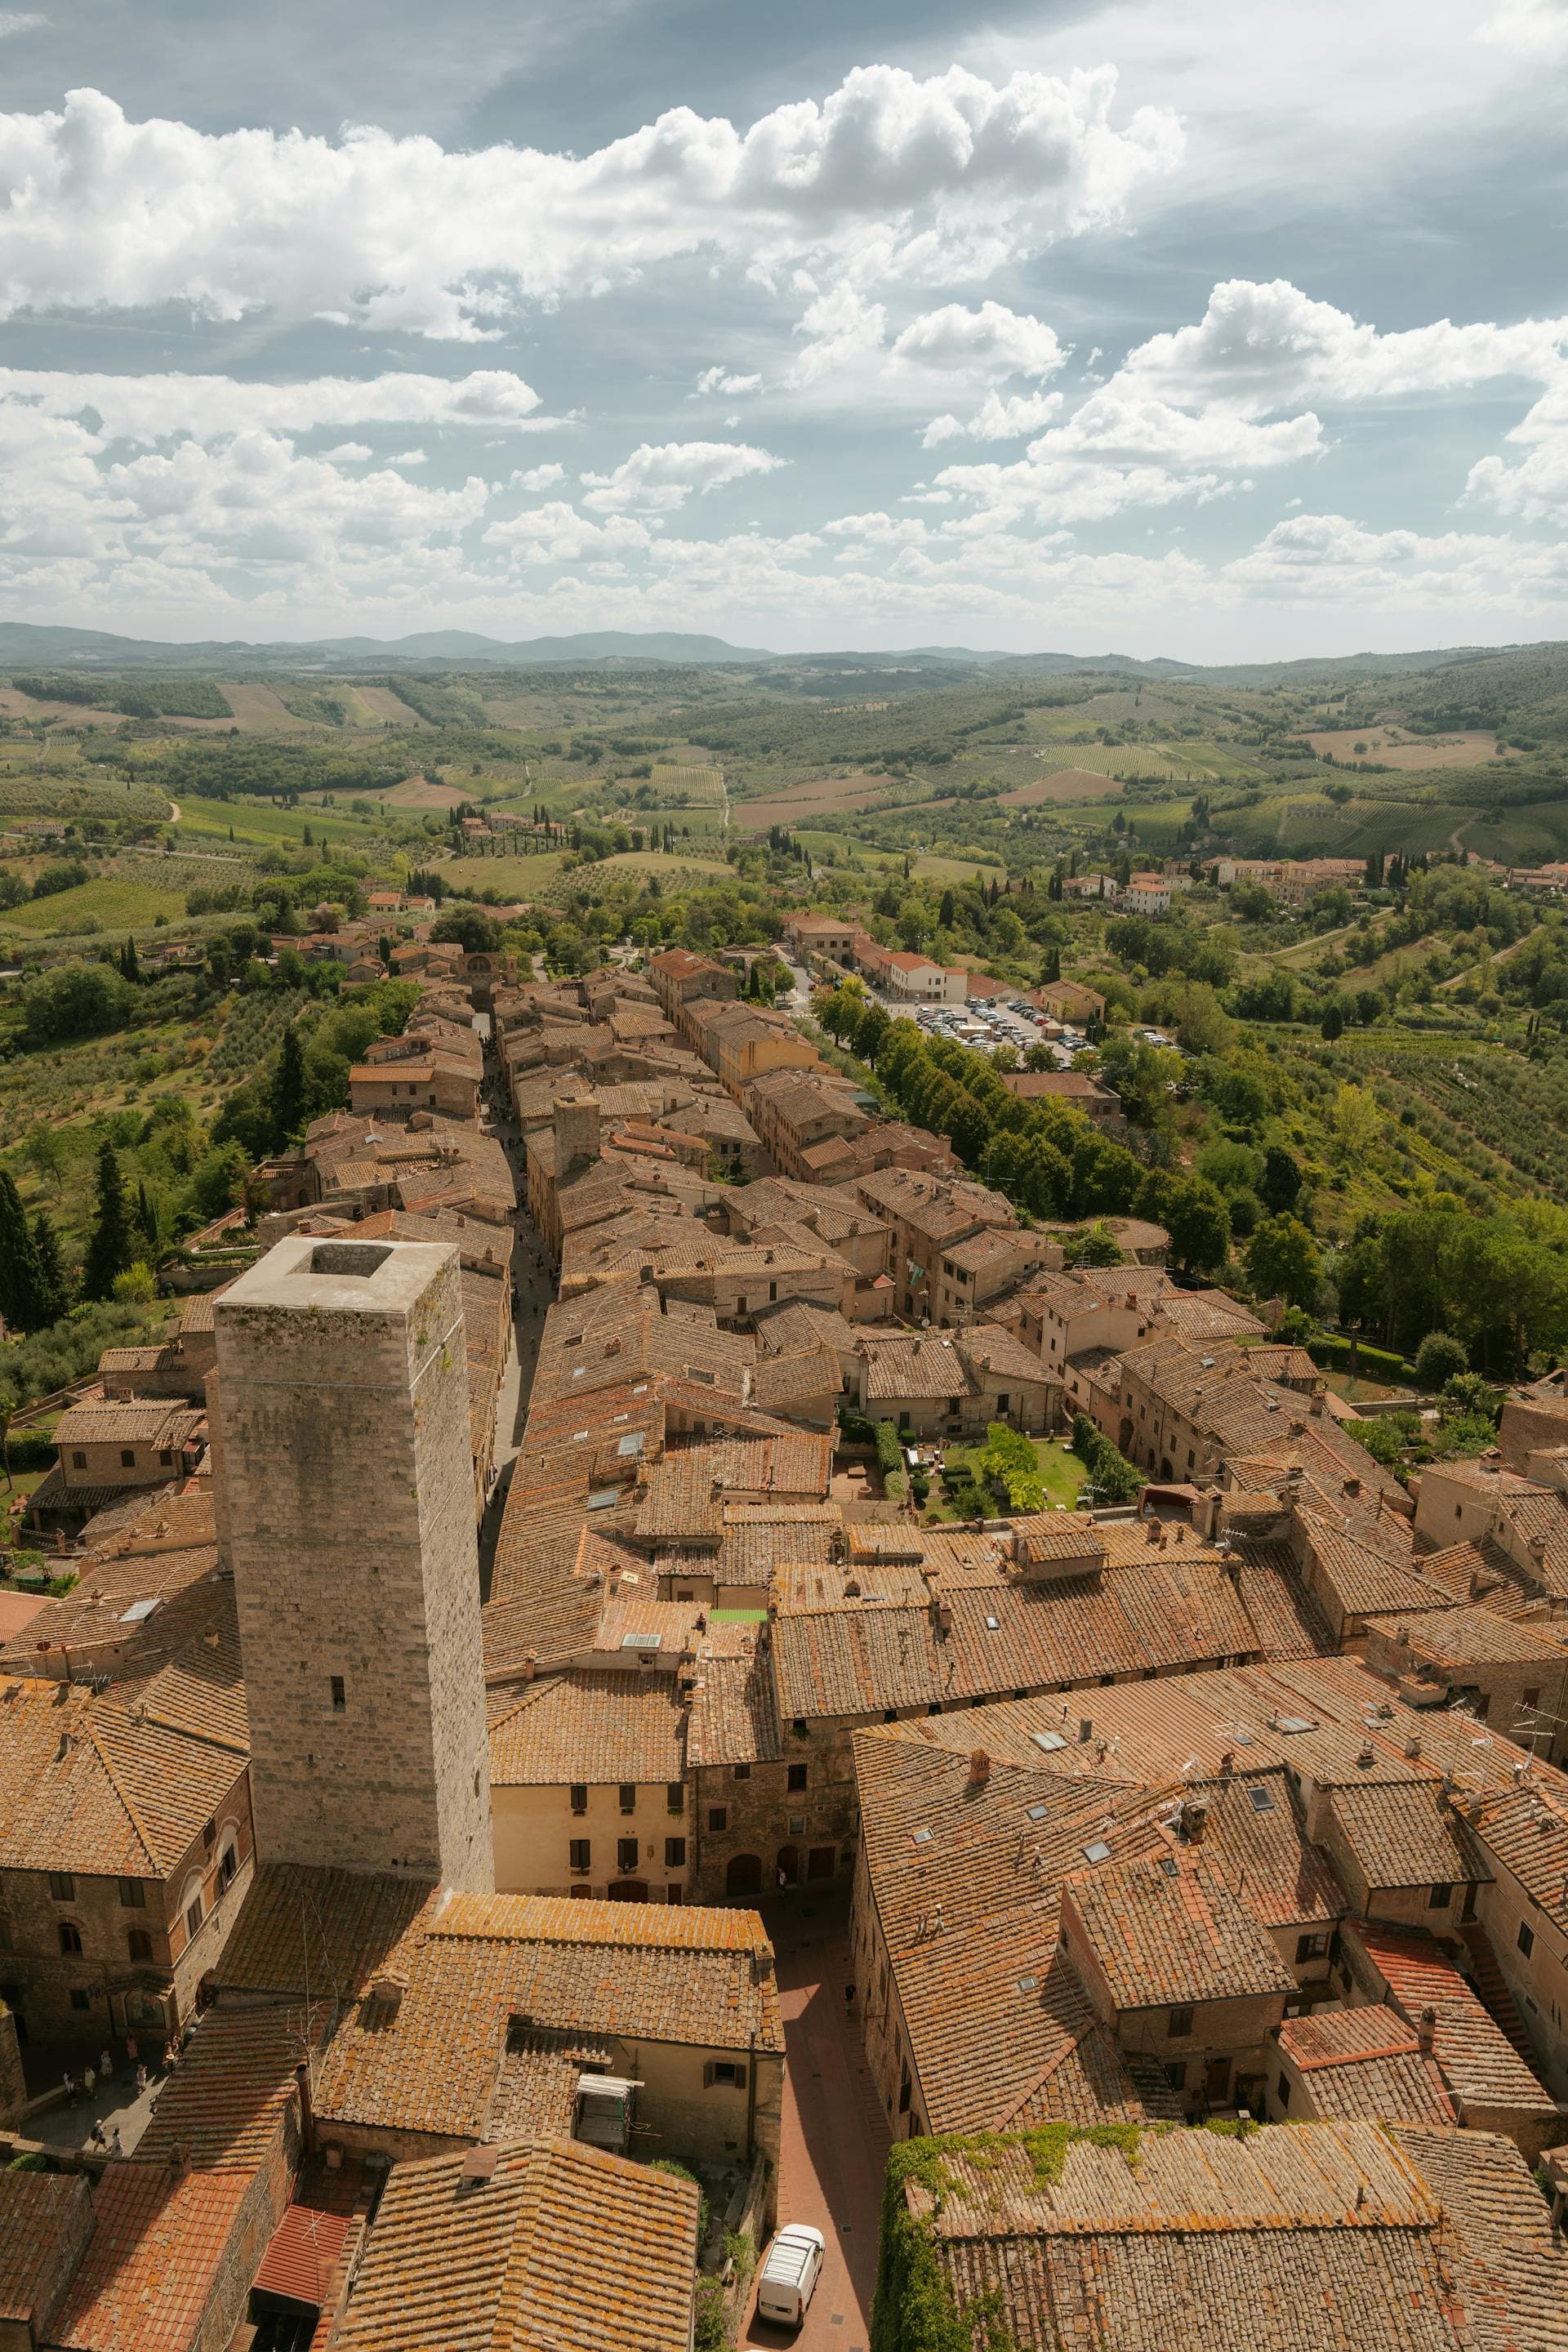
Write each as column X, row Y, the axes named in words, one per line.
column 1374, row 1363
column 891, row 1462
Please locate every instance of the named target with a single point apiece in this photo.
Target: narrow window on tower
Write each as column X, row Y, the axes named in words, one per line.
column 340, row 1695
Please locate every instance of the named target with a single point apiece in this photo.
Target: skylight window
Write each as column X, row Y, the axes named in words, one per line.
column 1028, row 1984
column 992, row 1625
column 920, row 1837
column 1262, row 1798
column 1050, row 1740
column 1037, row 1812
column 1097, row 1850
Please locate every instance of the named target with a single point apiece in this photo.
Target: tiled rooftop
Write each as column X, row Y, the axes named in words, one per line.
column 562, row 2248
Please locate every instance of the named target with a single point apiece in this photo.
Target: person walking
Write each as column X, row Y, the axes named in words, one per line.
column 106, row 2063
column 88, row 2081
column 70, row 2080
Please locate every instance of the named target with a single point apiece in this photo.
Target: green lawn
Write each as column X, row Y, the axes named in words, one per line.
column 1063, row 1473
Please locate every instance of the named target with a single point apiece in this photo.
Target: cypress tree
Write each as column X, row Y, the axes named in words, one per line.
column 54, row 1289
column 109, row 1250
column 18, row 1261
column 288, row 1105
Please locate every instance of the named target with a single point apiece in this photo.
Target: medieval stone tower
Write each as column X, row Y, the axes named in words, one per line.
column 345, row 1499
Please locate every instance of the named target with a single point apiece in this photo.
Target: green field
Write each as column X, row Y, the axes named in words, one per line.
column 112, row 904
column 523, row 877
column 958, row 870
column 653, row 861
column 257, row 823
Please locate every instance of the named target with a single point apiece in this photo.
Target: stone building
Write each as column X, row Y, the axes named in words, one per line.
column 343, row 1486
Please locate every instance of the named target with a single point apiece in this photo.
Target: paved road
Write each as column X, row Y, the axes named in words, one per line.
column 834, row 2149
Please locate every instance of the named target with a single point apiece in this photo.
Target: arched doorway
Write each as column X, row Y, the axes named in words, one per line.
column 789, row 1865
column 744, row 1875
column 627, row 1890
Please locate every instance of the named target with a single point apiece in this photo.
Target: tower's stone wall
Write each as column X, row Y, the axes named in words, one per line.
column 346, row 1511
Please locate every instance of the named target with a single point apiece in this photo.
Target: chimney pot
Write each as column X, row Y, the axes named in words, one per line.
column 1194, row 1823
column 1426, row 2032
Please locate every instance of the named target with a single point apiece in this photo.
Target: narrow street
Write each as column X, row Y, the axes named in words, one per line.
column 533, row 1290
column 835, row 2141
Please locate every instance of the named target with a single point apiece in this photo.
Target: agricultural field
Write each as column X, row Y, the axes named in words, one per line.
column 419, row 792
column 956, row 869
column 518, row 878
column 261, row 709
column 1392, row 746
column 815, row 796
column 383, row 707
column 1064, row 785
column 108, row 903
column 668, row 867
column 256, row 824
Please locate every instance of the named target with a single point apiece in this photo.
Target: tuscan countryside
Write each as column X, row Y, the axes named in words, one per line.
column 783, row 1179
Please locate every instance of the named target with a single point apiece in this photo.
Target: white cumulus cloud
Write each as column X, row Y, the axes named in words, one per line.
column 1260, row 347
column 991, row 343
column 996, row 419
column 152, row 408
column 953, row 172
column 539, row 477
column 724, row 381
column 657, row 480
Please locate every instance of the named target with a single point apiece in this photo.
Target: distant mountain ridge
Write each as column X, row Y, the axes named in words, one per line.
column 34, row 645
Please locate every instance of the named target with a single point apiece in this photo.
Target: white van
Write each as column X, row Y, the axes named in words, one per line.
column 789, row 2275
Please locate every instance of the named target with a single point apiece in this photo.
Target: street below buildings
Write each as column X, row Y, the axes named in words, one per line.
column 834, row 2146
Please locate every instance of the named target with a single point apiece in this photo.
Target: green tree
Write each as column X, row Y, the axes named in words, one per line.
column 1282, row 1262
column 1199, row 1224
column 1332, row 1024
column 54, row 1289
column 109, row 1248
column 1281, row 1179
column 287, row 1102
column 1439, row 1358
column 468, row 927
column 20, row 1286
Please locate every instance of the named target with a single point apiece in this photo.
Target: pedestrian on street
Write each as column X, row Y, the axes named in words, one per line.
column 140, row 2080
column 90, row 2082
column 106, row 2063
column 115, row 2145
column 130, row 2053
column 70, row 2087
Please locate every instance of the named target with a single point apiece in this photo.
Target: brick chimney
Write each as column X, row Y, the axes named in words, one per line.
column 1426, row 2032
column 979, row 1768
column 1194, row 1823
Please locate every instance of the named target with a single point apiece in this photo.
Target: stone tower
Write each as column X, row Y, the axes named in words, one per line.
column 576, row 1134
column 345, row 1498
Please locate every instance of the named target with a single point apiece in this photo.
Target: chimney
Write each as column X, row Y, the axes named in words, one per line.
column 1426, row 2032
column 943, row 1619
column 1353, row 1487
column 1316, row 1404
column 979, row 1768
column 1084, row 1730
column 1367, row 1755
column 530, row 1668
column 1194, row 1823
column 1227, row 1764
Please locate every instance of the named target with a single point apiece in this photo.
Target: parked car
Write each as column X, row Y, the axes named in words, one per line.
column 788, row 2277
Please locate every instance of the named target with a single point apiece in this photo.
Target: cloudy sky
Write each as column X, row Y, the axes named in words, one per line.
column 1224, row 330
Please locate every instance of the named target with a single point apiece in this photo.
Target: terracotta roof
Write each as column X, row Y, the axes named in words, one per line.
column 155, row 1421
column 1168, row 1929
column 598, row 1728
column 639, row 1971
column 735, row 1713
column 44, row 2217
column 1314, row 2238
column 1365, row 2061
column 1407, row 1833
column 87, row 1787
column 1478, row 2061
column 333, row 1930
column 561, row 2248
column 224, row 2102
column 158, row 2239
